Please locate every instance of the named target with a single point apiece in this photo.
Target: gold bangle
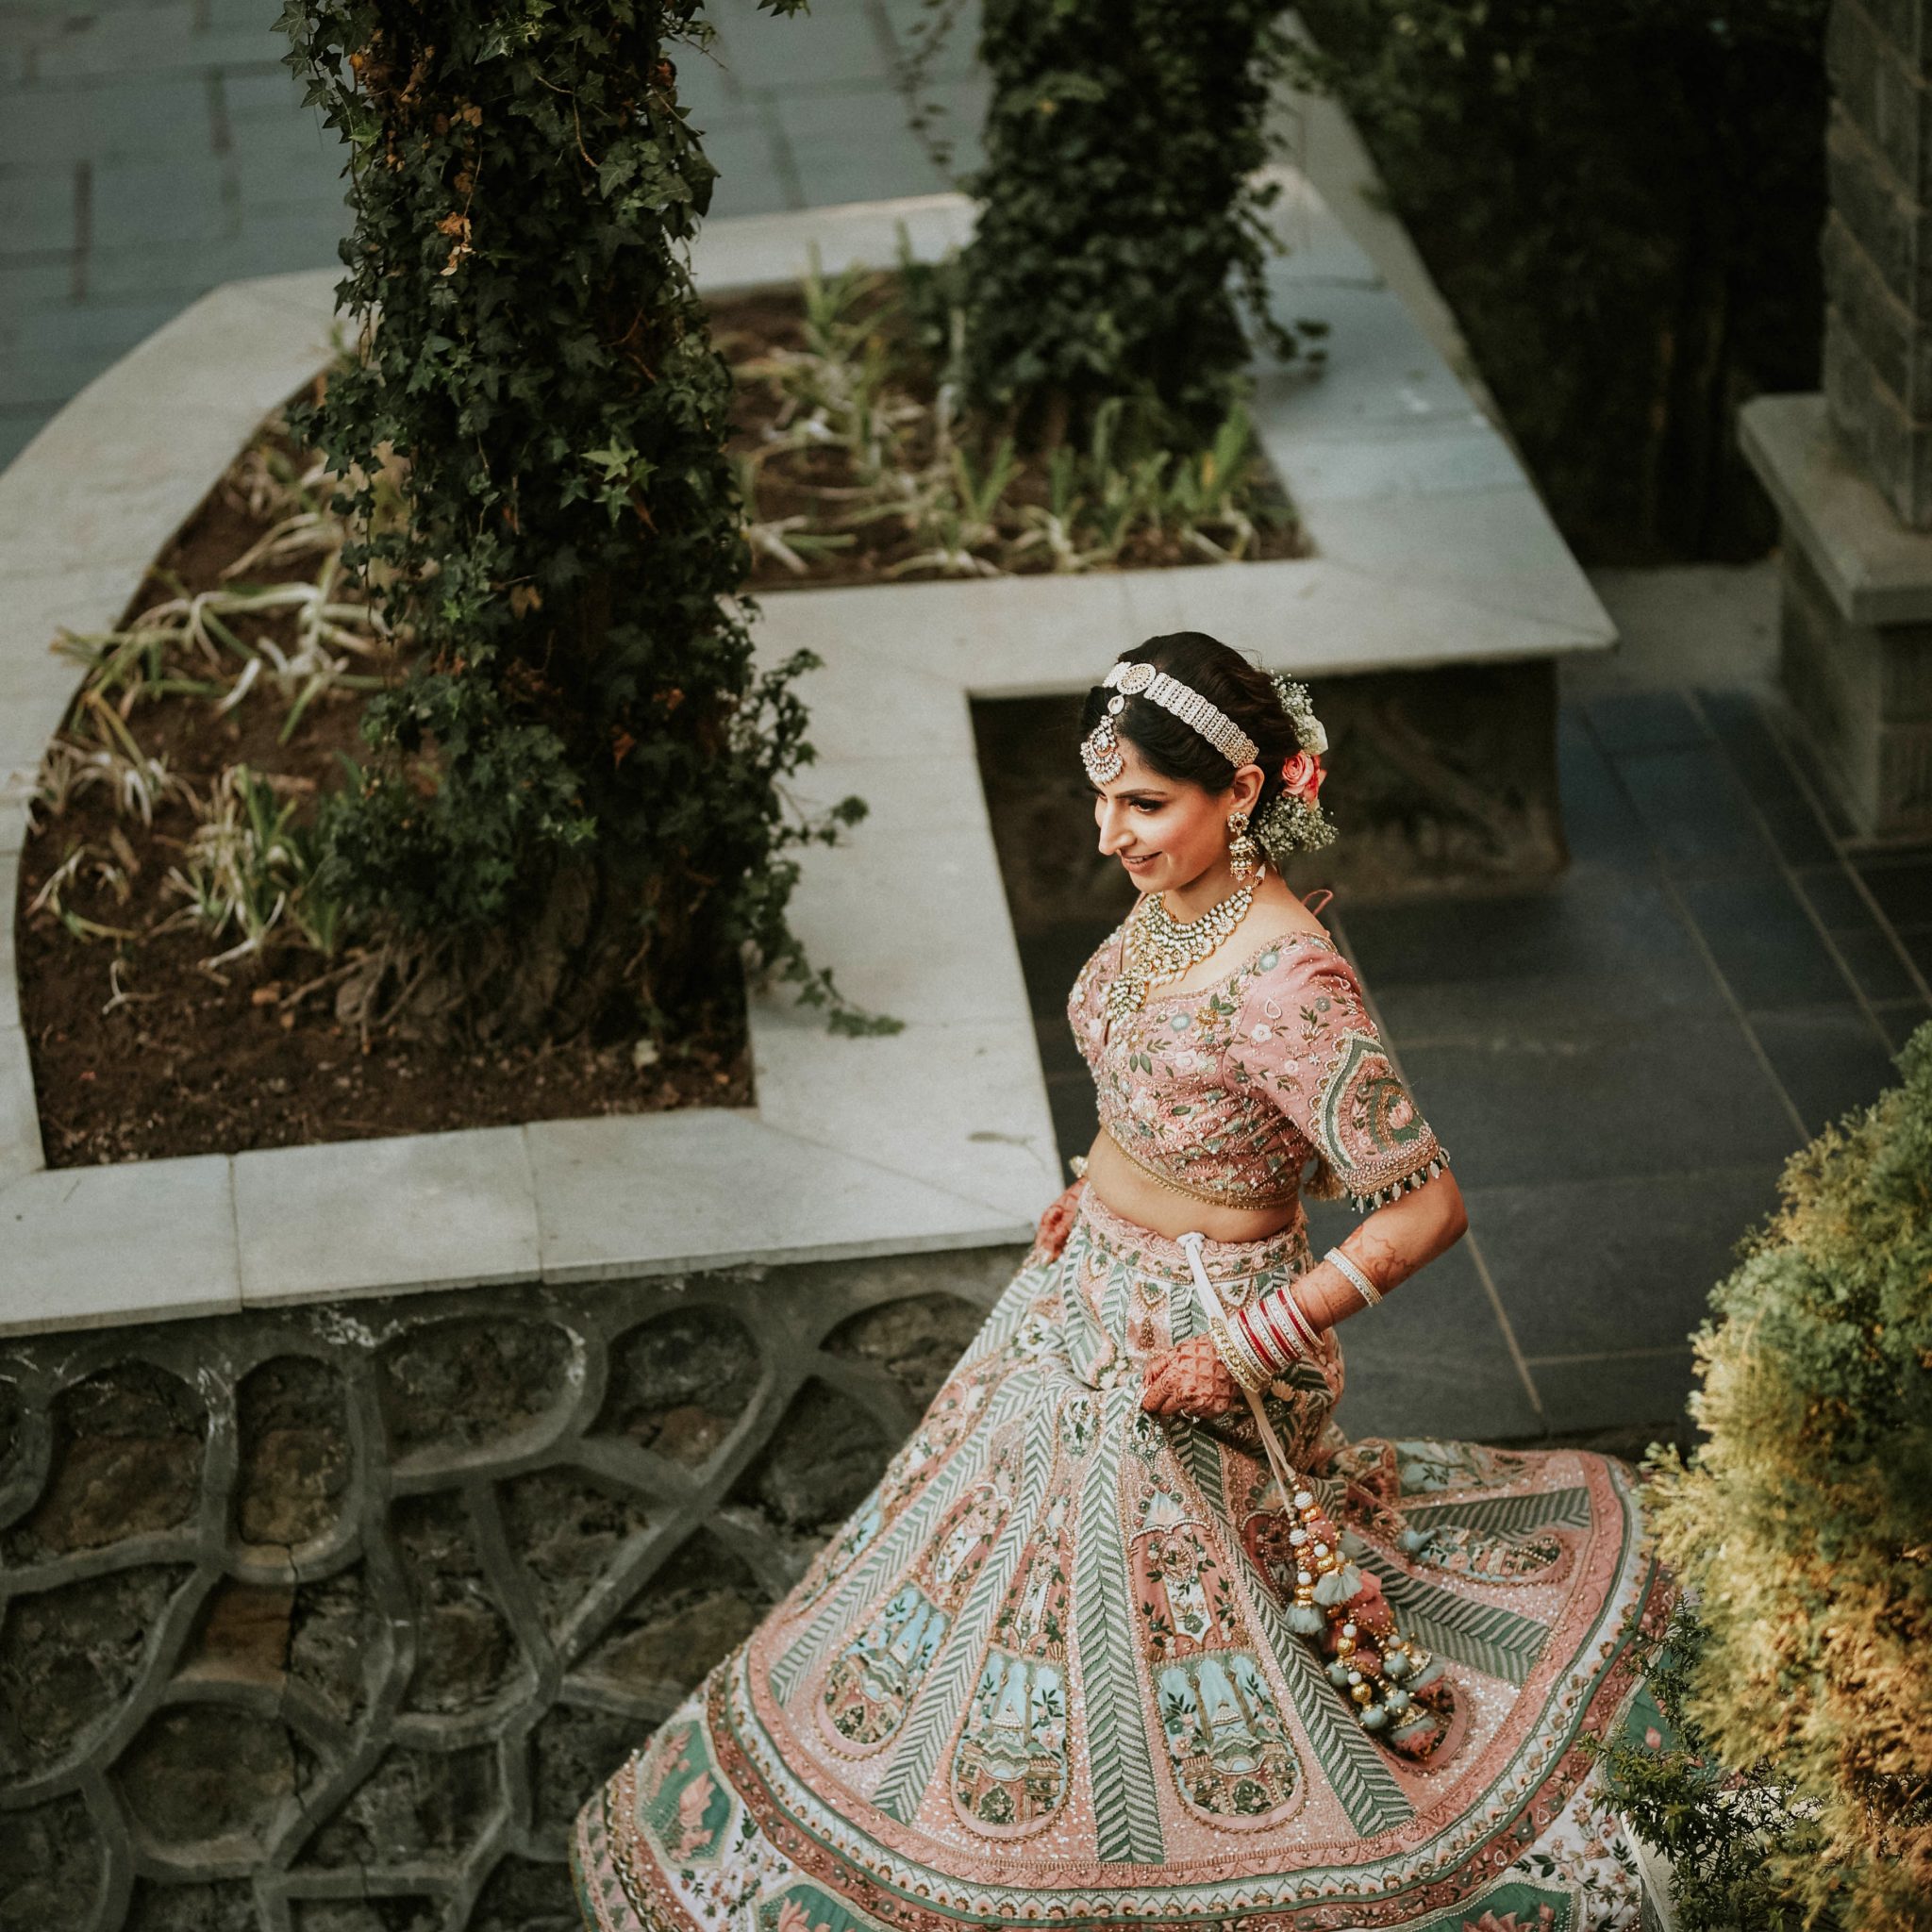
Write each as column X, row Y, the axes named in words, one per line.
column 1252, row 1375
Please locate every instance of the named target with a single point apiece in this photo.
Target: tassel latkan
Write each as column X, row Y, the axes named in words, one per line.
column 1339, row 1586
column 1380, row 1197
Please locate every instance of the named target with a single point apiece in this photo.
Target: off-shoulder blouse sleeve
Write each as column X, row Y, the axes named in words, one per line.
column 1306, row 1039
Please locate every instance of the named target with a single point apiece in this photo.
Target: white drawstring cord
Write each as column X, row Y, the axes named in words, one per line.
column 1214, row 1309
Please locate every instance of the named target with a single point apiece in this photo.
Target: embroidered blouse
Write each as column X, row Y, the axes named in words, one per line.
column 1226, row 1092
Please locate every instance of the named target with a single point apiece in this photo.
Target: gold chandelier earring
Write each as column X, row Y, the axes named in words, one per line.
column 1243, row 854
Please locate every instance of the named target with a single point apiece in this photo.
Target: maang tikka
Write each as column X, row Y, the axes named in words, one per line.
column 1100, row 750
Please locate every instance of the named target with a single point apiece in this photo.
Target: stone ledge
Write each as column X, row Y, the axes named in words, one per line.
column 86, row 1247
column 1656, row 1874
column 1431, row 548
column 1876, row 570
column 749, row 252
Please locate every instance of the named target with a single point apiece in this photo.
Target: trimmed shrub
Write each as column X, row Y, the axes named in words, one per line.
column 1802, row 1527
column 1121, row 229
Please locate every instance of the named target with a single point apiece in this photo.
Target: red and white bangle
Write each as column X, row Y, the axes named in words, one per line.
column 1277, row 1340
column 1275, row 1327
column 1304, row 1329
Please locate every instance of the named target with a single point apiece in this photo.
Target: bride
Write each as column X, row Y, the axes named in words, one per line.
column 1130, row 1633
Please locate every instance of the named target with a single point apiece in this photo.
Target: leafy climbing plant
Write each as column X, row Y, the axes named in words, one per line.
column 1123, row 224
column 572, row 805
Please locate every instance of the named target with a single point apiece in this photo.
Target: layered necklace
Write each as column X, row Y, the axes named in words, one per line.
column 1158, row 948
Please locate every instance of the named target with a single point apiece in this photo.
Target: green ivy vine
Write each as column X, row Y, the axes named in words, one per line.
column 571, row 811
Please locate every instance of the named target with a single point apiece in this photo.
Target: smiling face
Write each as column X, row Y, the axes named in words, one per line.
column 1167, row 833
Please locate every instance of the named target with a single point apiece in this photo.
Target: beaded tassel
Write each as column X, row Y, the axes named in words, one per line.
column 1367, row 1204
column 1331, row 1603
column 1379, row 1676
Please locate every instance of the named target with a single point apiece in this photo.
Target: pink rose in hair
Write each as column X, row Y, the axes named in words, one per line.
column 1302, row 777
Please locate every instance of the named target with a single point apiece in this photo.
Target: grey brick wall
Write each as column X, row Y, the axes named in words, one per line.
column 1878, row 246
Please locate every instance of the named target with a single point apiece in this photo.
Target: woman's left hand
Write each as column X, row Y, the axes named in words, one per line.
column 1056, row 1224
column 1189, row 1380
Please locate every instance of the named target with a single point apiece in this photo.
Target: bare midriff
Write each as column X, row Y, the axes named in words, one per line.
column 1121, row 1183
column 1136, row 1195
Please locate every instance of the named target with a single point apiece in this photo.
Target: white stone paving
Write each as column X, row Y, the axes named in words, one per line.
column 20, row 1126
column 962, row 1080
column 9, row 882
column 353, row 1217
column 151, row 150
column 661, row 1193
column 87, row 1247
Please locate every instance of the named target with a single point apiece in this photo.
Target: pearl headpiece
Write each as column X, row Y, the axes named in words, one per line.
column 1100, row 750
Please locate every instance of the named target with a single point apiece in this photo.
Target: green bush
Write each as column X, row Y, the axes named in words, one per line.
column 1621, row 201
column 1803, row 1527
column 1731, row 1834
column 1121, row 231
column 572, row 812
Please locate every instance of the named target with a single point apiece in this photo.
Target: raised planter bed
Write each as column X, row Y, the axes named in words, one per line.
column 855, row 473
column 156, row 1032
column 1430, row 549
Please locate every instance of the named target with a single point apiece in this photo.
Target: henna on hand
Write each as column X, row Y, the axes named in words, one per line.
column 1389, row 1247
column 1056, row 1224
column 1190, row 1379
column 1326, row 1295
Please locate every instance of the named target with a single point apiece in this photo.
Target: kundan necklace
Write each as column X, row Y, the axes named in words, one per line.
column 1157, row 947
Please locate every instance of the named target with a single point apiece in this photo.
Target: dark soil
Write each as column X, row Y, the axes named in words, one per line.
column 140, row 1050
column 813, row 483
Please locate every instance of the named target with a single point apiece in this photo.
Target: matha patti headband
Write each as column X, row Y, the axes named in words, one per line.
column 1100, row 750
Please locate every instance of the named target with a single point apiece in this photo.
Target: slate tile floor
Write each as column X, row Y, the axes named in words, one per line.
column 150, row 149
column 1619, row 1064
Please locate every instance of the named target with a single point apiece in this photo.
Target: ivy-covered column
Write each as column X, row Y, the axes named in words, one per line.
column 1121, row 225
column 570, row 815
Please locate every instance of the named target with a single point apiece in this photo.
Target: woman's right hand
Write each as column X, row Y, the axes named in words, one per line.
column 1190, row 1379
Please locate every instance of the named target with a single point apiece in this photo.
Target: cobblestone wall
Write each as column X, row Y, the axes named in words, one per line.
column 328, row 1619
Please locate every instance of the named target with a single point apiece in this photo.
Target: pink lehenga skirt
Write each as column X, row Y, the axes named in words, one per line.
column 1045, row 1674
